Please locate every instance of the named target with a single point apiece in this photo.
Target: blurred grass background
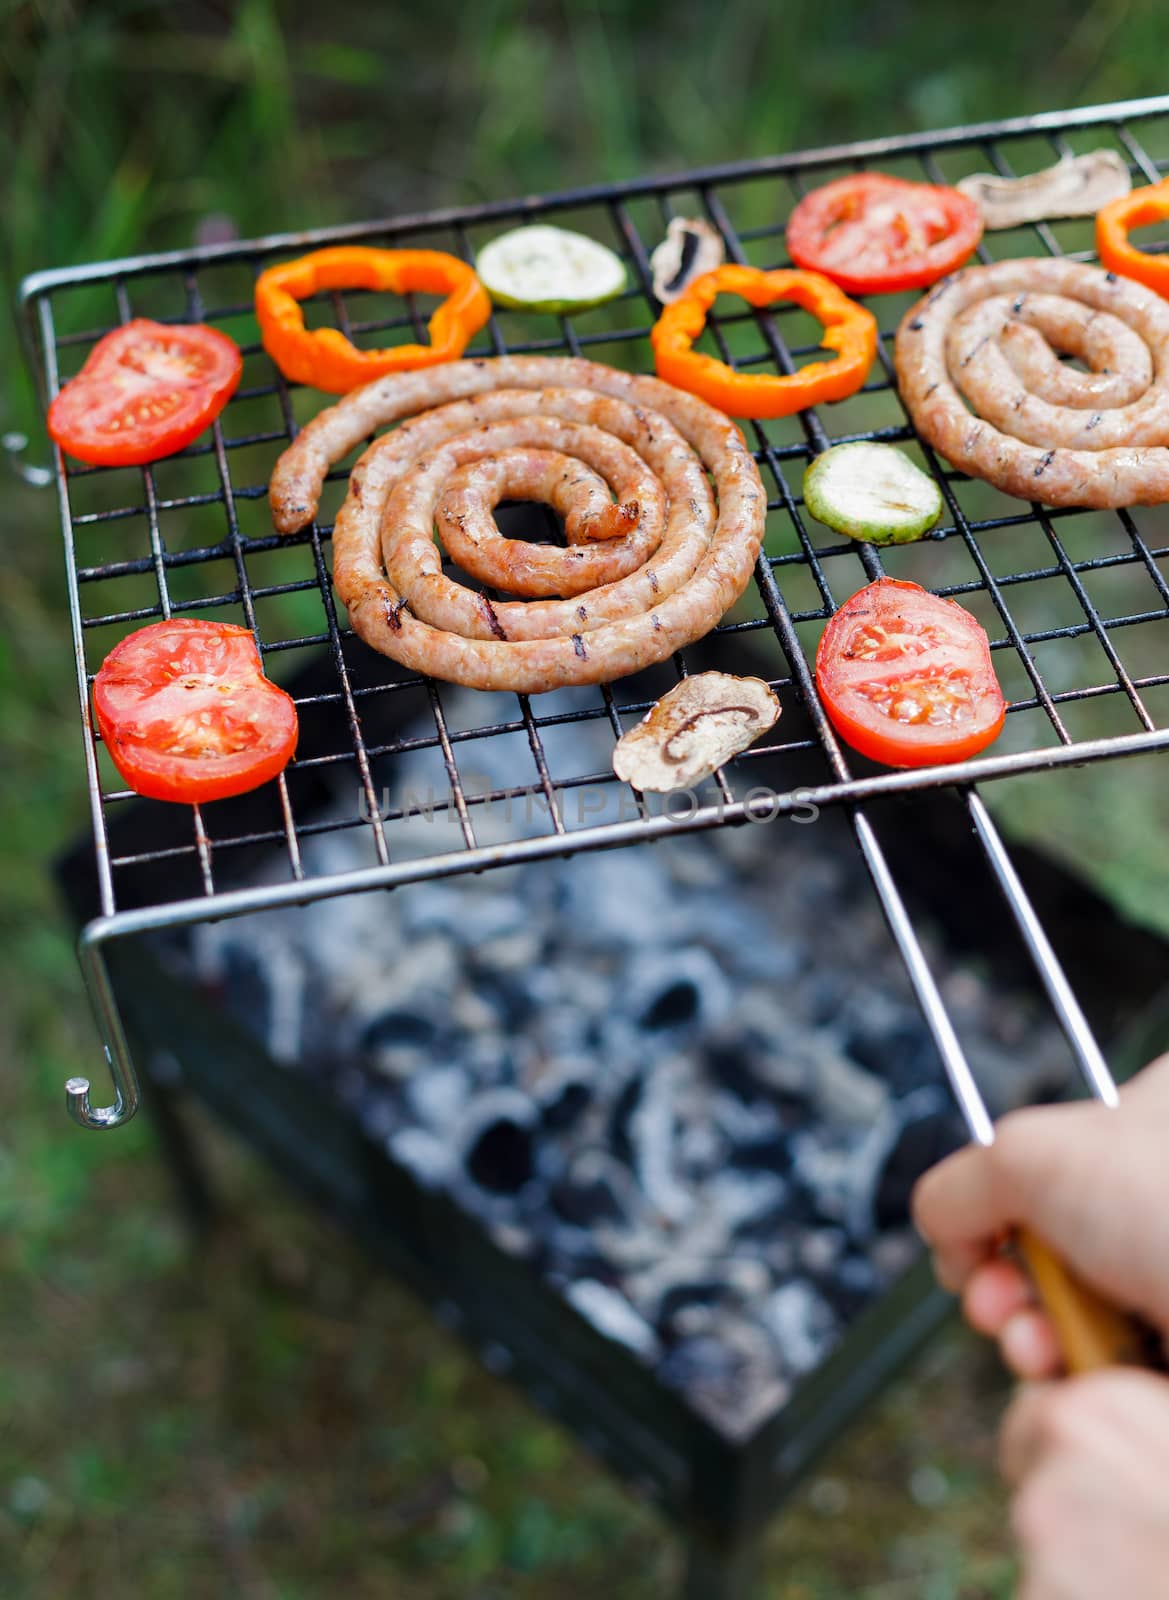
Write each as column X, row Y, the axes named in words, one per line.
column 263, row 1421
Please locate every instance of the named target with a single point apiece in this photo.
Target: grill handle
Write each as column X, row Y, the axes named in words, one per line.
column 1092, row 1333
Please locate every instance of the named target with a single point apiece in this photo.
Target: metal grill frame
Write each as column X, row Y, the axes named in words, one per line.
column 842, row 787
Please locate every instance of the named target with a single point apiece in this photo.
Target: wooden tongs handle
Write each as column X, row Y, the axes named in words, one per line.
column 1092, row 1333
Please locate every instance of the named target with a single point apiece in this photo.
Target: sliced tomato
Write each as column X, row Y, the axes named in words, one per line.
column 187, row 714
column 873, row 234
column 906, row 677
column 145, row 391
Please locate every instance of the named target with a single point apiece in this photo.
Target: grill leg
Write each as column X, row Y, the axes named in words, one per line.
column 184, row 1162
column 716, row 1571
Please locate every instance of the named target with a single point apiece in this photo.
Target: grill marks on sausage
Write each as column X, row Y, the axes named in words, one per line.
column 492, row 616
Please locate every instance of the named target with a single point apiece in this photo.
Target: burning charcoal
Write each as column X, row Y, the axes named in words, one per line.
column 437, row 1094
column 400, row 1043
column 801, row 1323
column 703, row 1147
column 611, row 1314
column 821, row 1250
column 856, row 1279
column 495, row 1141
column 510, row 953
column 741, row 1198
column 747, row 1125
column 429, row 1159
column 842, row 1171
column 596, row 1188
column 652, row 1131
column 563, row 1090
column 844, row 1093
column 619, row 901
column 894, row 1253
column 677, row 989
column 666, row 1294
column 767, row 1152
column 728, row 1372
column 470, row 917
column 620, row 1133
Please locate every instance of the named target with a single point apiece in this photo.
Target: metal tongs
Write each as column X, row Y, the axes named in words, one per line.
column 1092, row 1332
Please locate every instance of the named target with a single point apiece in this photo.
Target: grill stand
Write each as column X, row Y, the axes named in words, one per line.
column 331, row 1163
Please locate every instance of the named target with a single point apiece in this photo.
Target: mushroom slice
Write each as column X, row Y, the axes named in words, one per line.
column 690, row 248
column 1077, row 186
column 702, row 722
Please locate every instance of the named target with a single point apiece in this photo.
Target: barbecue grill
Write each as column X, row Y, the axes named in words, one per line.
column 1081, row 675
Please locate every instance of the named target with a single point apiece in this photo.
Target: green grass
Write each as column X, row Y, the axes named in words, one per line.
column 265, row 1421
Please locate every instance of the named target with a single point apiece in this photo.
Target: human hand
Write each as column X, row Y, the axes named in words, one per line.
column 1091, row 1182
column 1089, row 1460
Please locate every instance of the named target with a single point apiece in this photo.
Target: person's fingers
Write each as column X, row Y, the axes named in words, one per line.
column 1150, row 1087
column 1112, row 1416
column 978, row 1193
column 1024, row 1433
column 994, row 1292
column 1030, row 1345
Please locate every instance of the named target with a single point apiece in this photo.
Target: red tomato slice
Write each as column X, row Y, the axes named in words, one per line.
column 906, row 677
column 873, row 234
column 187, row 713
column 145, row 391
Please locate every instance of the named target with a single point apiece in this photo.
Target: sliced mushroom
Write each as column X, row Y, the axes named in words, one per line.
column 690, row 248
column 1077, row 186
column 702, row 722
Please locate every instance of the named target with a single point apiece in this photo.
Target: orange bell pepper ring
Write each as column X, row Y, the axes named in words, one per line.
column 1113, row 222
column 324, row 357
column 849, row 330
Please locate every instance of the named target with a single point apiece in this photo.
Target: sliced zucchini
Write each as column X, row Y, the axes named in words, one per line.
column 549, row 269
column 871, row 491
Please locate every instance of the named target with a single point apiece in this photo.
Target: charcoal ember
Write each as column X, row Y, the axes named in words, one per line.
column 494, row 1141
column 611, row 1314
column 894, row 1252
column 727, row 1369
column 677, row 989
column 474, row 919
column 929, row 1129
column 403, row 1042
column 750, row 1124
column 669, row 1294
column 840, row 1168
column 438, row 1095
column 653, row 1124
column 822, row 1249
column 703, row 1147
column 802, row 1324
column 763, row 1152
column 745, row 1198
column 569, row 1104
column 853, row 1280
column 427, row 1157
column 619, row 1131
column 610, row 902
column 596, row 1188
column 262, row 980
column 843, row 1093
column 510, row 953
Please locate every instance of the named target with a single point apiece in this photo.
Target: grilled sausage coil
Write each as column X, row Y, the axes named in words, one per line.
column 640, row 577
column 990, row 338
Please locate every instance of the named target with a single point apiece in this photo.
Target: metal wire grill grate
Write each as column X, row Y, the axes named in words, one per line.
column 1076, row 602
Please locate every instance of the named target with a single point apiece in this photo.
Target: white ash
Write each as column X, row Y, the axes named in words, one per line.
column 689, row 1083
